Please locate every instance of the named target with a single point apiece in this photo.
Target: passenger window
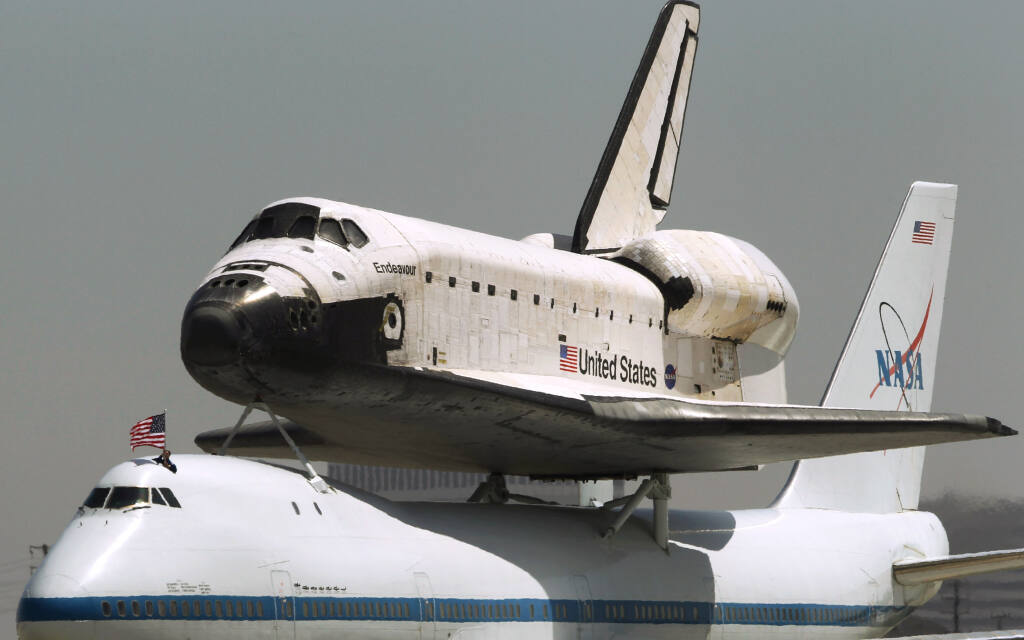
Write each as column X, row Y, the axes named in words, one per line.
column 296, row 507
column 136, row 610
column 196, row 608
column 246, row 232
column 248, row 609
column 169, row 497
column 121, row 609
column 317, row 507
column 149, row 608
column 96, row 497
column 161, row 608
column 105, row 607
column 303, row 227
column 330, row 230
column 259, row 608
column 305, row 609
column 228, row 609
column 353, row 233
column 173, row 604
column 157, row 498
column 220, row 609
column 123, row 497
column 209, row 609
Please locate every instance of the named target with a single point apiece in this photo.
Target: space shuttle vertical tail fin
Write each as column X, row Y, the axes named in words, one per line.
column 633, row 183
column 888, row 362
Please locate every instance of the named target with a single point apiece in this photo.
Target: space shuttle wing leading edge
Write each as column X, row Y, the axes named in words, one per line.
column 543, row 426
column 633, row 183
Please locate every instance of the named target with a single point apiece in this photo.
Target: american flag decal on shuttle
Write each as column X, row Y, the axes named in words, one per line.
column 924, row 232
column 568, row 358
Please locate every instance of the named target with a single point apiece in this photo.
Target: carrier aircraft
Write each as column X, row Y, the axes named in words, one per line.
column 234, row 548
column 619, row 351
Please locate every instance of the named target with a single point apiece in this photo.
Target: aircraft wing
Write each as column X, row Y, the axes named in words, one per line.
column 923, row 571
column 546, row 426
column 1017, row 634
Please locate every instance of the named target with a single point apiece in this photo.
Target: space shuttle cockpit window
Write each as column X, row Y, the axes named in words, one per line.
column 354, row 234
column 330, row 230
column 246, row 233
column 303, row 227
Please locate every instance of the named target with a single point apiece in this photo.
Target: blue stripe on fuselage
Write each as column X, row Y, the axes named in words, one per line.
column 454, row 610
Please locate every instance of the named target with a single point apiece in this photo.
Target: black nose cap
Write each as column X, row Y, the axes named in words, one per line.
column 210, row 336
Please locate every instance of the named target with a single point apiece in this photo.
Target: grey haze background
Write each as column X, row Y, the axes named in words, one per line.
column 136, row 138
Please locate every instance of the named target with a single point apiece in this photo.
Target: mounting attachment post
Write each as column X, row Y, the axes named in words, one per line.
column 492, row 490
column 314, row 478
column 658, row 489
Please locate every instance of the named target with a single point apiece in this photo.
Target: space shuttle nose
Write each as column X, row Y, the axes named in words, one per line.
column 210, row 335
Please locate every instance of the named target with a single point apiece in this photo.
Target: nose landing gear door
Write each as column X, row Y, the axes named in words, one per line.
column 584, row 630
column 426, row 596
column 284, row 605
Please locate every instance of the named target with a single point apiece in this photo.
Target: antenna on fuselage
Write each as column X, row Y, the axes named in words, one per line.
column 315, row 480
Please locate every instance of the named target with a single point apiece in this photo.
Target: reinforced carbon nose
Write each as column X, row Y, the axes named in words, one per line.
column 210, row 336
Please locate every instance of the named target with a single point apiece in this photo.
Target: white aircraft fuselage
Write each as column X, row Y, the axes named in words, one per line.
column 254, row 552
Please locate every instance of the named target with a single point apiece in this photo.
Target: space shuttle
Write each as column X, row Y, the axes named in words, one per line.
column 622, row 350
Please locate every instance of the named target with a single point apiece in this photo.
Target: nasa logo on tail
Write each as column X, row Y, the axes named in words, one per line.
column 670, row 376
column 900, row 368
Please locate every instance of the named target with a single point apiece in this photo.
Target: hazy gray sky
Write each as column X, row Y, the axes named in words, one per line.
column 136, row 138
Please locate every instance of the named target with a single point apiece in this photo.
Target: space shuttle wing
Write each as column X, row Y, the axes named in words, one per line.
column 547, row 426
column 633, row 182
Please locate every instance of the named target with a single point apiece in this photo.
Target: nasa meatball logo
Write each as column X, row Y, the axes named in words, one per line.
column 670, row 376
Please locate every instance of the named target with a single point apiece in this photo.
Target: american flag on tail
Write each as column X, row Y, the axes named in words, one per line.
column 151, row 432
column 924, row 232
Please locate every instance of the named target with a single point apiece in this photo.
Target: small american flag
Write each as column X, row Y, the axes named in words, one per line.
column 569, row 358
column 924, row 232
column 150, row 432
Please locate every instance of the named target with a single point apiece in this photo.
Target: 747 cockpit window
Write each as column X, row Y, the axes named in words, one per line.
column 96, row 497
column 126, row 497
